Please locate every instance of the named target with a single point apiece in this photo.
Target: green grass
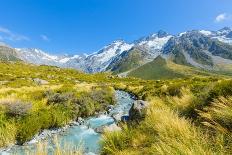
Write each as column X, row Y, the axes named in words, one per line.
column 155, row 70
column 162, row 132
column 191, row 118
column 27, row 107
column 132, row 59
column 186, row 114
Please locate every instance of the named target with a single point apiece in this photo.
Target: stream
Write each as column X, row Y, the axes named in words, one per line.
column 79, row 136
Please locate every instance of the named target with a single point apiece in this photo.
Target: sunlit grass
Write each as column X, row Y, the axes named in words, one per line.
column 163, row 132
column 219, row 115
column 167, row 128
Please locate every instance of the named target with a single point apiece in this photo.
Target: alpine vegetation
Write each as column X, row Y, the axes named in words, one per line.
column 148, row 93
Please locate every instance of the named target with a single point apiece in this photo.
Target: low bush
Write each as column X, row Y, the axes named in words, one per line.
column 16, row 108
column 57, row 98
column 62, row 107
column 53, row 117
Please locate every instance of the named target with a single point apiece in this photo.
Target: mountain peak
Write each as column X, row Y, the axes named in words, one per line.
column 4, row 44
column 205, row 32
column 149, row 46
column 119, row 41
column 225, row 29
column 162, row 34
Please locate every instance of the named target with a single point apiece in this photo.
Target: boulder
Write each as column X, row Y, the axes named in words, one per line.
column 40, row 81
column 110, row 128
column 116, row 117
column 138, row 110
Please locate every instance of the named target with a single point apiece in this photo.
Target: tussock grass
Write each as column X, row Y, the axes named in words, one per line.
column 219, row 115
column 71, row 97
column 182, row 102
column 7, row 131
column 170, row 127
column 175, row 135
column 162, row 132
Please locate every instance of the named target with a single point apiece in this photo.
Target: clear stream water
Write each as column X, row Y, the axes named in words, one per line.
column 82, row 136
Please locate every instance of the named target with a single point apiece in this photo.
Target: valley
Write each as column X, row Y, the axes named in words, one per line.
column 81, row 104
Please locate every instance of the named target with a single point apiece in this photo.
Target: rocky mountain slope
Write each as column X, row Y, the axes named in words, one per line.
column 7, row 53
column 208, row 50
column 105, row 58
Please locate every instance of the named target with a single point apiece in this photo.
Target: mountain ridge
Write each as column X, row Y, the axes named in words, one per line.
column 199, row 48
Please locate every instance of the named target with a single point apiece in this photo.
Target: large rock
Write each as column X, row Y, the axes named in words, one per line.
column 117, row 117
column 138, row 110
column 40, row 81
column 110, row 128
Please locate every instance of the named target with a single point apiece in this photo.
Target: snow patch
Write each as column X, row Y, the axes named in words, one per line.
column 223, row 39
column 207, row 33
column 181, row 34
column 155, row 43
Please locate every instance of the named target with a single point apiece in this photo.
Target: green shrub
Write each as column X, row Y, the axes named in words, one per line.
column 86, row 104
column 57, row 98
column 16, row 108
column 53, row 117
column 223, row 88
column 104, row 96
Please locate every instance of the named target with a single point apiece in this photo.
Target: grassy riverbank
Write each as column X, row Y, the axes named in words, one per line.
column 33, row 98
column 186, row 116
column 189, row 115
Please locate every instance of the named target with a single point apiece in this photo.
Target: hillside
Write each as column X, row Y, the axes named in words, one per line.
column 155, row 70
column 30, row 93
column 128, row 60
column 185, row 116
column 8, row 54
column 208, row 50
column 34, row 98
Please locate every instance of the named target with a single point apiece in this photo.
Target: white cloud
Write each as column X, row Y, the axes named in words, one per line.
column 222, row 17
column 44, row 37
column 6, row 34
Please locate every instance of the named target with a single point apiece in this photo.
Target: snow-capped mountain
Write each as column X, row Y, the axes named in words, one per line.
column 200, row 48
column 37, row 56
column 95, row 62
column 143, row 51
column 223, row 35
column 98, row 62
column 155, row 41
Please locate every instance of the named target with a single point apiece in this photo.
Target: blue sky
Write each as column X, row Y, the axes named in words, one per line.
column 78, row 26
